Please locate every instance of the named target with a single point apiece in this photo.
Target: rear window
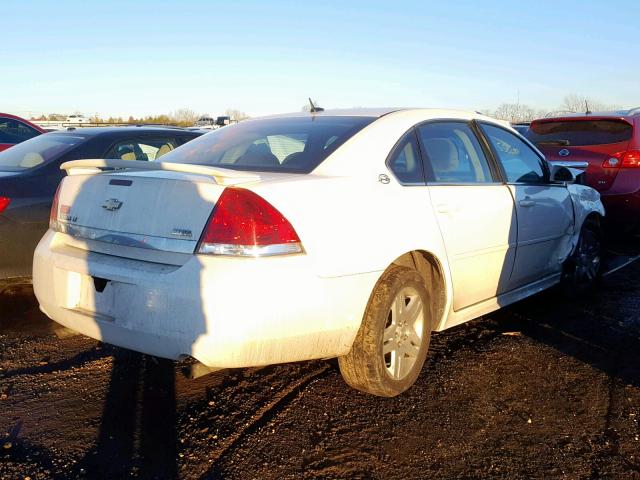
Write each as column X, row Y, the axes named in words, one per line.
column 579, row 132
column 295, row 145
column 37, row 151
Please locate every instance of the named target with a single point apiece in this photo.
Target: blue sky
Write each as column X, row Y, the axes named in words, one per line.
column 149, row 57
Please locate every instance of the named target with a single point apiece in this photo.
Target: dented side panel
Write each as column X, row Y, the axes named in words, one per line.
column 586, row 201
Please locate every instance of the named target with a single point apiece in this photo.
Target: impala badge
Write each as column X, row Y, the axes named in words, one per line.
column 112, row 204
column 564, row 152
column 181, row 232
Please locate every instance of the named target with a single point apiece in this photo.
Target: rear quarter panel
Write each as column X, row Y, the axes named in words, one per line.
column 348, row 221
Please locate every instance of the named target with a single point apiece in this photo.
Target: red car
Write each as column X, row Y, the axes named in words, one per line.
column 610, row 142
column 14, row 130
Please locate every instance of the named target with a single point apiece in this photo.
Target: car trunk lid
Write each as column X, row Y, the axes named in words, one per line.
column 160, row 211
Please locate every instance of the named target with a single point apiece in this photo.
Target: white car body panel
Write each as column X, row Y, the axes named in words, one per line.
column 238, row 312
column 545, row 224
column 462, row 212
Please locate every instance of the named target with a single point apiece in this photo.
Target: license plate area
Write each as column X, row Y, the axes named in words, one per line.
column 91, row 295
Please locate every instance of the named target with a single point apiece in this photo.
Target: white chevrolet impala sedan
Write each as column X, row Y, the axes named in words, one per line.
column 350, row 234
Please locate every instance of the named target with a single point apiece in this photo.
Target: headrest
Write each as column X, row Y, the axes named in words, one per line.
column 163, row 150
column 443, row 154
column 258, row 149
column 258, row 154
column 31, row 159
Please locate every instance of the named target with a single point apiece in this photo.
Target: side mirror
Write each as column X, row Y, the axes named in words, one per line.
column 567, row 172
column 561, row 174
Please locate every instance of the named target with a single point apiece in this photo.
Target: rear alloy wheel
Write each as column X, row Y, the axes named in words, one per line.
column 391, row 345
column 583, row 268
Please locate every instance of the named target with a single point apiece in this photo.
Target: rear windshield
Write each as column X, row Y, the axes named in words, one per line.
column 579, row 132
column 295, row 145
column 37, row 151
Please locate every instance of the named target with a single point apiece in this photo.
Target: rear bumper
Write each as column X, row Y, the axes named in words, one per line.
column 17, row 243
column 224, row 312
column 622, row 199
column 623, row 211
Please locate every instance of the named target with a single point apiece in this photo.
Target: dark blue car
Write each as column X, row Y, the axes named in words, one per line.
column 30, row 173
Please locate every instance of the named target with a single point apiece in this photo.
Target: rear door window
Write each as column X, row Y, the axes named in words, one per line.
column 404, row 160
column 453, row 153
column 579, row 132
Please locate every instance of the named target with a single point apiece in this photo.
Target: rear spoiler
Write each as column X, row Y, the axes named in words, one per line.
column 222, row 176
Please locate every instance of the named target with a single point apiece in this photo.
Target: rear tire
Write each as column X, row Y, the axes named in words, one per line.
column 391, row 345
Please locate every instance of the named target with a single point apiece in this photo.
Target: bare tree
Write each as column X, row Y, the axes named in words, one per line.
column 184, row 117
column 515, row 113
column 542, row 113
column 576, row 103
column 236, row 115
column 571, row 103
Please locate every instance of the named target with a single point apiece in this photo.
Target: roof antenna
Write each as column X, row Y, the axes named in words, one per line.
column 586, row 105
column 314, row 108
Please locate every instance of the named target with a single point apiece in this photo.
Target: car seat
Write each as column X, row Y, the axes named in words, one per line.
column 258, row 154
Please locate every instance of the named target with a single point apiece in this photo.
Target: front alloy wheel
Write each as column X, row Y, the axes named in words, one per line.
column 583, row 267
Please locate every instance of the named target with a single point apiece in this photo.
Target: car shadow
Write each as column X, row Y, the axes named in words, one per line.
column 137, row 433
column 601, row 329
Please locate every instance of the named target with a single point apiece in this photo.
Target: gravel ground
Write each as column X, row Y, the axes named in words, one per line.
column 547, row 388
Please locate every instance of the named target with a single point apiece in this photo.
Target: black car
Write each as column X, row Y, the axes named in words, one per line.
column 30, row 173
column 521, row 128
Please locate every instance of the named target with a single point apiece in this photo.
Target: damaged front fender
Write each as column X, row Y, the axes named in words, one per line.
column 586, row 201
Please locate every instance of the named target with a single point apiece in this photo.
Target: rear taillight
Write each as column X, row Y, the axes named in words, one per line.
column 4, row 203
column 628, row 159
column 245, row 224
column 53, row 215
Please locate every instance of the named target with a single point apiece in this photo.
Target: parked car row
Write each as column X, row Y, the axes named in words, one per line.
column 350, row 234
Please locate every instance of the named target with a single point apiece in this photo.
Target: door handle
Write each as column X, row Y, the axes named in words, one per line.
column 527, row 203
column 442, row 208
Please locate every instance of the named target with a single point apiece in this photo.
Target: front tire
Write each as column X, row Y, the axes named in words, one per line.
column 391, row 345
column 583, row 268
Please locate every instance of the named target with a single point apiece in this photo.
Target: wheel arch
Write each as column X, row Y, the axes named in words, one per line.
column 586, row 204
column 432, row 272
column 593, row 217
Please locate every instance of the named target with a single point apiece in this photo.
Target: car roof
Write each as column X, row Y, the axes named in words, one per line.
column 338, row 112
column 120, row 131
column 381, row 112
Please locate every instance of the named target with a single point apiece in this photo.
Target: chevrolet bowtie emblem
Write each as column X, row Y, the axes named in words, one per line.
column 112, row 204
